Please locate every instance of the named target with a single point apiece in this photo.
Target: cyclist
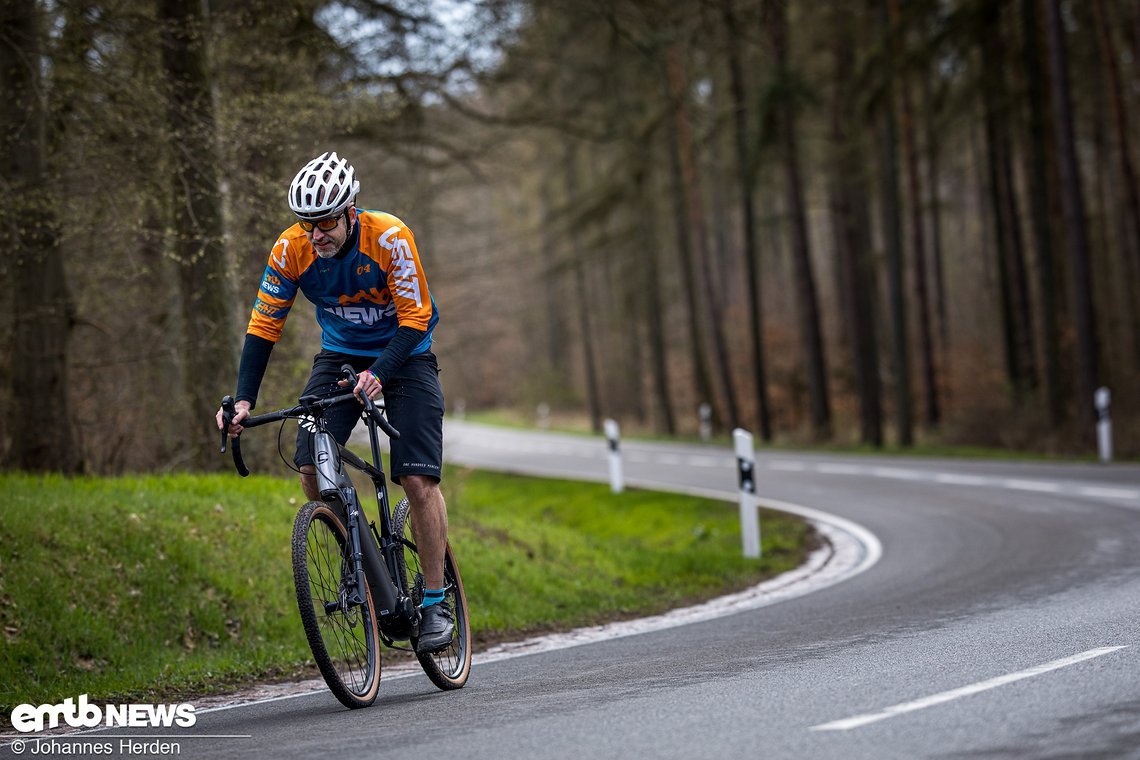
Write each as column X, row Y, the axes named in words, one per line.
column 362, row 272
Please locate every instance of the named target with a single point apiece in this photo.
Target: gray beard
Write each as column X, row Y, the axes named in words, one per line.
column 332, row 252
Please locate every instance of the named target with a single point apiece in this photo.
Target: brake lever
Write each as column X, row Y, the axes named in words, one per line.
column 370, row 405
column 228, row 414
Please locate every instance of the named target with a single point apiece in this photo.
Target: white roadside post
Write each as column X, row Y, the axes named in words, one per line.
column 460, row 409
column 705, row 412
column 749, row 504
column 617, row 483
column 543, row 414
column 1103, row 398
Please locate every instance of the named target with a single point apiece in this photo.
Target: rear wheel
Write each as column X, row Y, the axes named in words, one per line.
column 449, row 668
column 342, row 636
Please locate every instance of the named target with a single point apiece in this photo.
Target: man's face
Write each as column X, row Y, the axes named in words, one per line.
column 328, row 242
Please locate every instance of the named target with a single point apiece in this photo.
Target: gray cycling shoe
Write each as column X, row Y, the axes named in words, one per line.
column 437, row 627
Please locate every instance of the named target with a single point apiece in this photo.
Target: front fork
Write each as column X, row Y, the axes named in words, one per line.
column 365, row 555
column 368, row 565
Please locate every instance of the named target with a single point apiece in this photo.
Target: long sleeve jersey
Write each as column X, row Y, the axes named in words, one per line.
column 373, row 286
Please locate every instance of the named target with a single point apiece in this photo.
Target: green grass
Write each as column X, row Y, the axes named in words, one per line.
column 178, row 585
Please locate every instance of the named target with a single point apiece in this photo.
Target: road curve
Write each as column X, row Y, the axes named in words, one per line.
column 1000, row 621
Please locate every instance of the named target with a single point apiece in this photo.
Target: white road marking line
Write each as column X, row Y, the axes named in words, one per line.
column 949, row 478
column 832, row 468
column 946, row 696
column 960, row 480
column 1110, row 493
column 1032, row 485
column 897, row 473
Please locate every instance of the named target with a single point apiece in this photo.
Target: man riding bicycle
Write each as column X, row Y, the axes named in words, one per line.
column 362, row 272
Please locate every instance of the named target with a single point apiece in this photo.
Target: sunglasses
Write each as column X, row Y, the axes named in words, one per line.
column 325, row 225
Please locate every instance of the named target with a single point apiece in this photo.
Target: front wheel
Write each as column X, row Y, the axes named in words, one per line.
column 342, row 636
column 449, row 668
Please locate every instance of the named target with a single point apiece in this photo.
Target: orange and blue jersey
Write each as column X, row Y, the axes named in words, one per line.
column 360, row 298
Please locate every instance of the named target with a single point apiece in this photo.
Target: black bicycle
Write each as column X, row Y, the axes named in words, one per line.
column 359, row 584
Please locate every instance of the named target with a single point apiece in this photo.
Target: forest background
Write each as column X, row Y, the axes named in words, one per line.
column 839, row 221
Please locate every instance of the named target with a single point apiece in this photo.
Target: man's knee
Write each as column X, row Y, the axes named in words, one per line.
column 309, row 482
column 419, row 487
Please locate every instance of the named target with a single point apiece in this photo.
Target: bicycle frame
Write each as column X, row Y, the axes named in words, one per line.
column 373, row 562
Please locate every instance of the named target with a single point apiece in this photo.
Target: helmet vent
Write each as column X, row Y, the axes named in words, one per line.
column 324, row 187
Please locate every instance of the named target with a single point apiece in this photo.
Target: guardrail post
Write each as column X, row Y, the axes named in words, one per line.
column 1102, row 399
column 617, row 482
column 749, row 504
column 705, row 412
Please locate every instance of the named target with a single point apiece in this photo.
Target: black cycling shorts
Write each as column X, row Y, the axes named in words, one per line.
column 414, row 401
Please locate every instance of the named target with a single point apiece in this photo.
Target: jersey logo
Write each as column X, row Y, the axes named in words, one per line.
column 375, row 295
column 361, row 315
column 280, row 261
column 403, row 265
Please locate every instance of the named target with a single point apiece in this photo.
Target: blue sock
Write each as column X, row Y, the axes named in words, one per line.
column 433, row 596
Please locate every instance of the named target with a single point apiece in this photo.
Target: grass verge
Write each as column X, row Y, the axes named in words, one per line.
column 153, row 587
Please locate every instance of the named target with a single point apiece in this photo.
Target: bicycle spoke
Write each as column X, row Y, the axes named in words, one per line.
column 447, row 669
column 343, row 637
column 320, row 553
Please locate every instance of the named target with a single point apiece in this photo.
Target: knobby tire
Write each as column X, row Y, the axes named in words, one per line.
column 450, row 668
column 352, row 667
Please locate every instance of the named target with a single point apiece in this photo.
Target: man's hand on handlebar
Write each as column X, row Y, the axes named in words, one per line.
column 242, row 411
column 365, row 382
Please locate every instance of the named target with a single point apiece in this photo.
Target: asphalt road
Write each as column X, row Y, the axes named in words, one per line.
column 1000, row 621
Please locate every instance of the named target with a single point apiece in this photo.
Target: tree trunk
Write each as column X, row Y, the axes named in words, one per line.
column 934, row 170
column 1016, row 323
column 1108, row 234
column 748, row 220
column 722, row 251
column 41, row 428
column 807, row 304
column 210, row 340
column 1131, row 243
column 556, row 340
column 918, row 248
column 583, row 301
column 1037, row 171
column 652, row 287
column 984, row 206
column 854, row 256
column 702, row 383
column 900, row 354
column 592, row 393
column 690, row 187
column 625, row 309
column 1076, row 232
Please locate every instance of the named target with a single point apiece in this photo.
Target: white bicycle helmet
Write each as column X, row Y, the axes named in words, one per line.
column 323, row 188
